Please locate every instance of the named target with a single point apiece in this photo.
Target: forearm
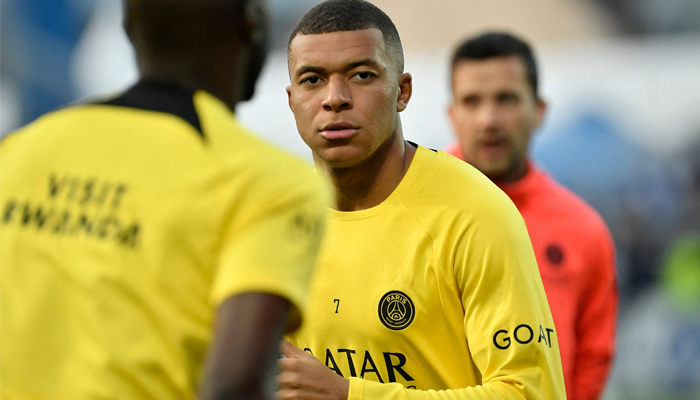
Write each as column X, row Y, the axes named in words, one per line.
column 243, row 356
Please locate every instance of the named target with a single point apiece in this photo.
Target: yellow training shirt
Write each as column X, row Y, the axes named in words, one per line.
column 434, row 294
column 124, row 225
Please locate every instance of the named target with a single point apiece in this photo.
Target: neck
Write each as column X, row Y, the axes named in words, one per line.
column 217, row 78
column 514, row 175
column 371, row 182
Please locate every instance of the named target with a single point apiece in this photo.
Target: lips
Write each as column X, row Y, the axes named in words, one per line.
column 494, row 148
column 339, row 130
column 493, row 140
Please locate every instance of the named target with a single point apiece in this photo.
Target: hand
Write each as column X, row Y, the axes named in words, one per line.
column 303, row 377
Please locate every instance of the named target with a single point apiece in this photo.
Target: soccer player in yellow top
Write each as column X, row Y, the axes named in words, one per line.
column 425, row 289
column 142, row 231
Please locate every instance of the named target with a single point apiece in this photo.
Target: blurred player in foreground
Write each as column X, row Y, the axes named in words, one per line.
column 142, row 232
column 495, row 109
column 422, row 284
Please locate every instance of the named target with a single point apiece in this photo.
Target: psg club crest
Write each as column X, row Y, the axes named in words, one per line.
column 555, row 255
column 396, row 310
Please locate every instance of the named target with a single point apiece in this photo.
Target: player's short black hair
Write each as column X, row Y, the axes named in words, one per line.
column 498, row 44
column 350, row 15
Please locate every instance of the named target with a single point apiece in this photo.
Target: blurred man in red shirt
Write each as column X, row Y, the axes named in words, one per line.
column 495, row 108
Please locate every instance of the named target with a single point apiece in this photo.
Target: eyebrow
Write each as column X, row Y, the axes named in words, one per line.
column 310, row 68
column 322, row 71
column 366, row 62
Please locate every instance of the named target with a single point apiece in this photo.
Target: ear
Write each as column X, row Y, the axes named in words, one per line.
column 541, row 109
column 257, row 20
column 451, row 114
column 289, row 97
column 127, row 21
column 405, row 91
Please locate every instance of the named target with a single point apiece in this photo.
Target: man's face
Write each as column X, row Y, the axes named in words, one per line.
column 493, row 113
column 345, row 94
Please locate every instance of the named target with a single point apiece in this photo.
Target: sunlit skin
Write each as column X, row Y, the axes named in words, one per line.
column 346, row 93
column 494, row 112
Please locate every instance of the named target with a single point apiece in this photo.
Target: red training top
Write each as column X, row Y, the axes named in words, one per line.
column 576, row 257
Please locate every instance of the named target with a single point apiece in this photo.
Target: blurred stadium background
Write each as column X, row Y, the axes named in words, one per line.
column 622, row 78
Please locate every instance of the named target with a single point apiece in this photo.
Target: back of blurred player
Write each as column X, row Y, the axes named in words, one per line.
column 141, row 231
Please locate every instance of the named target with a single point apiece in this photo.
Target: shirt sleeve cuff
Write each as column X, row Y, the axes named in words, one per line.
column 356, row 387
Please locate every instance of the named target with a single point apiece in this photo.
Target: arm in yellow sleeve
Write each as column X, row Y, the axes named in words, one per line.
column 507, row 322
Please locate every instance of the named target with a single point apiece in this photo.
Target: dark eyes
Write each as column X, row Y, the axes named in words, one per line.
column 508, row 98
column 311, row 80
column 361, row 76
column 471, row 101
column 503, row 98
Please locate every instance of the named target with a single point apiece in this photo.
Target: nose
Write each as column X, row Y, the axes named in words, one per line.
column 338, row 96
column 487, row 117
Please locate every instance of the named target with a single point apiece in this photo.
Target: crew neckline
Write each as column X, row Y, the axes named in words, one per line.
column 523, row 185
column 421, row 161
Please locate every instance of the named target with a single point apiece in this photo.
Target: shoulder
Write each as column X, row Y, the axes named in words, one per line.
column 268, row 165
column 260, row 171
column 452, row 199
column 47, row 124
column 248, row 155
column 576, row 211
column 459, row 186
